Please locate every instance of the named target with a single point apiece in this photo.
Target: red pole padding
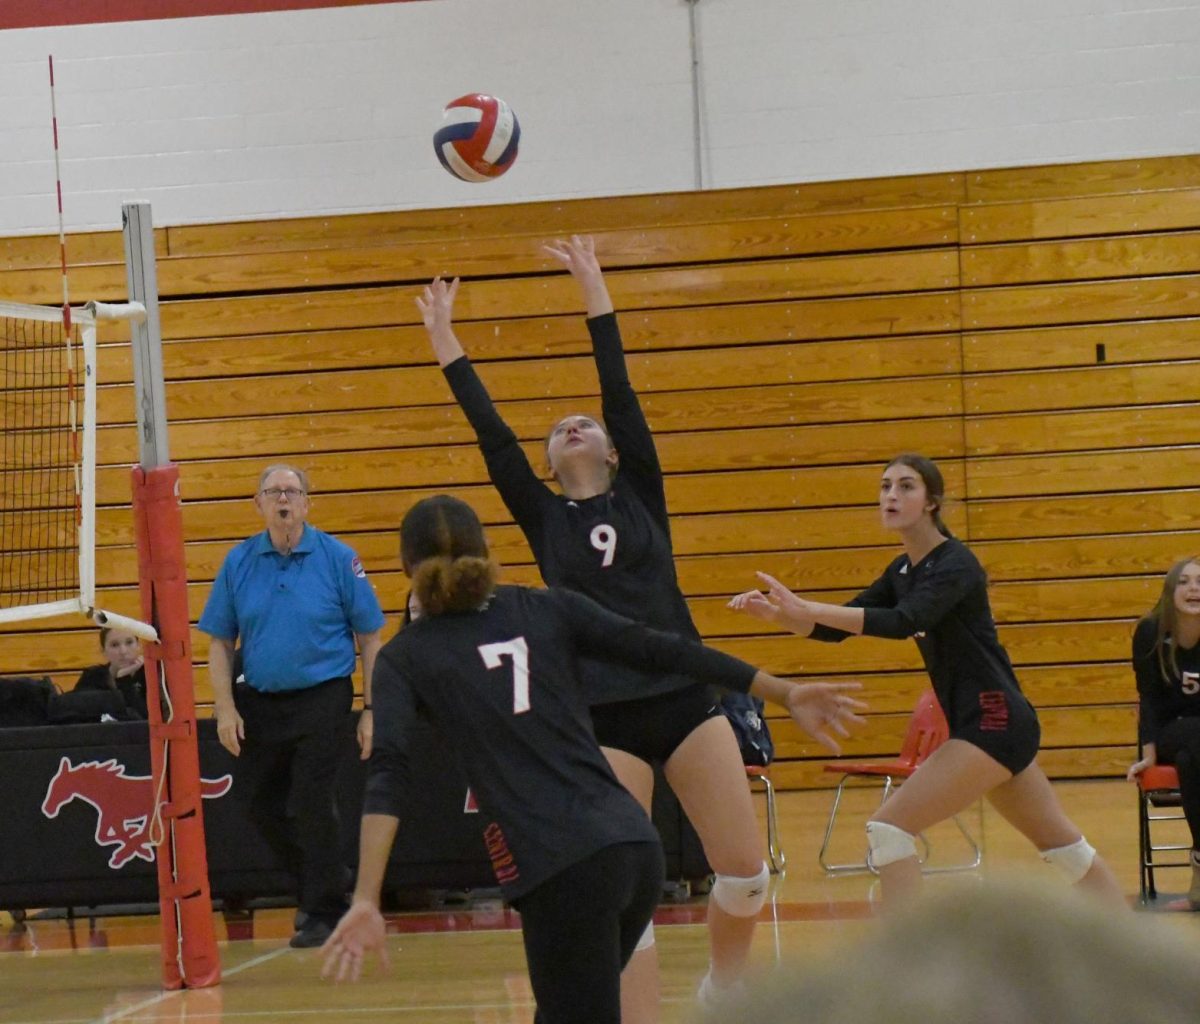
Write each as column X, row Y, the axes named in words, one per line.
column 189, row 948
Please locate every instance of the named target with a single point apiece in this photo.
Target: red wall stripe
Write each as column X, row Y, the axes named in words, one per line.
column 39, row 13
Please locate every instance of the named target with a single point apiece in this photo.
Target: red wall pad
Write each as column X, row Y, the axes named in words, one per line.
column 189, row 947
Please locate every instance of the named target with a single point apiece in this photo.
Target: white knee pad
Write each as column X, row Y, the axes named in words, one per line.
column 1074, row 861
column 888, row 844
column 647, row 939
column 741, row 897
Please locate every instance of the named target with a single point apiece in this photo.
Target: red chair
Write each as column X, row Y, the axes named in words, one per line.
column 754, row 773
column 1158, row 788
column 927, row 730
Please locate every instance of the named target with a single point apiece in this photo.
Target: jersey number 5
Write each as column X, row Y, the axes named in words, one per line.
column 518, row 650
column 604, row 538
column 1191, row 682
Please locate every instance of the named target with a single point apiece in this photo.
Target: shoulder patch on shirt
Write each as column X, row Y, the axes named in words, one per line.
column 356, row 567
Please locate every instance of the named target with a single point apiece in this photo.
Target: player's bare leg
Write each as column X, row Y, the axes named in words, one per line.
column 954, row 777
column 1028, row 802
column 707, row 774
column 639, row 981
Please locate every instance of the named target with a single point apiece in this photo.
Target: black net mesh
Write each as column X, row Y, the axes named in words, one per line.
column 41, row 400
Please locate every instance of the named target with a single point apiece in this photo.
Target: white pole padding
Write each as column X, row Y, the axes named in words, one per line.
column 132, row 311
column 111, row 620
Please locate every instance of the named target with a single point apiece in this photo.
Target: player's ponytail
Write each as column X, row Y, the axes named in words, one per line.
column 444, row 551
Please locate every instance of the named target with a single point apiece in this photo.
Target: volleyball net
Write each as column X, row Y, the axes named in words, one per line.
column 48, row 364
column 47, row 497
column 48, row 463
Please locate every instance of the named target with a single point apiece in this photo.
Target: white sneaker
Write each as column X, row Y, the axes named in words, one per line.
column 711, row 996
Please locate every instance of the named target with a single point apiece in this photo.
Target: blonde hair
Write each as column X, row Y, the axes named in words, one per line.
column 1003, row 953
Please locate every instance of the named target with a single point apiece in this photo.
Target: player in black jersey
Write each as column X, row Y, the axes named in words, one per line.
column 936, row 592
column 1166, row 661
column 494, row 668
column 607, row 535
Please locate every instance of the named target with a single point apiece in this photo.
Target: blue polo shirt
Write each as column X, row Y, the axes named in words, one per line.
column 296, row 614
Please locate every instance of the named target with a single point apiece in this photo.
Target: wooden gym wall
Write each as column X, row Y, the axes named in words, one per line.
column 1036, row 330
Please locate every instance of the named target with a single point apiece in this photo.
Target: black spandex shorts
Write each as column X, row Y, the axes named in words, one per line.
column 1003, row 725
column 653, row 728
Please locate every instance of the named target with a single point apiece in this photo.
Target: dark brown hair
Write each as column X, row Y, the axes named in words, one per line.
column 935, row 486
column 444, row 551
column 1166, row 616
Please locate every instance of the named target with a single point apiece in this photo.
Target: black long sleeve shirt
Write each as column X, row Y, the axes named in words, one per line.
column 640, row 579
column 1162, row 699
column 500, row 684
column 942, row 603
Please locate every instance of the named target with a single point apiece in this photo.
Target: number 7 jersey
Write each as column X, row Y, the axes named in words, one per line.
column 500, row 684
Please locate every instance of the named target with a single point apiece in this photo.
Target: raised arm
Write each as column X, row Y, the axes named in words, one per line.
column 511, row 474
column 621, row 409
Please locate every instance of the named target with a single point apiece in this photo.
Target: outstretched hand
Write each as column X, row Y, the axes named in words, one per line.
column 436, row 304
column 823, row 710
column 360, row 930
column 778, row 605
column 578, row 255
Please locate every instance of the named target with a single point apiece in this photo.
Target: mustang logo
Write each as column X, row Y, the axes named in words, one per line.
column 124, row 803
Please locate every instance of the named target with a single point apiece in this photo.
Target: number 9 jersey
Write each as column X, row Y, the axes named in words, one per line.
column 614, row 547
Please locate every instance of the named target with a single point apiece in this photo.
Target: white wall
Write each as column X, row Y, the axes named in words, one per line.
column 326, row 111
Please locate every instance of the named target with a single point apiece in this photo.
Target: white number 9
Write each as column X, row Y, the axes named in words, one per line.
column 604, row 538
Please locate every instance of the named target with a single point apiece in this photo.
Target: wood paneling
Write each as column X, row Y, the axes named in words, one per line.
column 1037, row 330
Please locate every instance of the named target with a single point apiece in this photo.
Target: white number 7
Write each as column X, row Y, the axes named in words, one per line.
column 518, row 650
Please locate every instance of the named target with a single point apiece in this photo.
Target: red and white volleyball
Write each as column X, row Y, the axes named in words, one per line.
column 478, row 137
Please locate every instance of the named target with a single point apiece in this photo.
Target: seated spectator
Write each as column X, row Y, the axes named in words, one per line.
column 121, row 672
column 1014, row 952
column 1166, row 663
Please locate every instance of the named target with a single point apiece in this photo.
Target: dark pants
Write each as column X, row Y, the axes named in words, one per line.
column 286, row 776
column 580, row 928
column 1179, row 744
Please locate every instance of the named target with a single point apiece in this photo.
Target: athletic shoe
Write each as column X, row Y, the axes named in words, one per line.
column 314, row 933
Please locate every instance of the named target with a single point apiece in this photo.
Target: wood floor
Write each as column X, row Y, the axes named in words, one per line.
column 465, row 964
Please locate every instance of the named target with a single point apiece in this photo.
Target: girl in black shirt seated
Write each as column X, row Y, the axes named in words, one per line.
column 936, row 593
column 122, row 671
column 495, row 669
column 1166, row 661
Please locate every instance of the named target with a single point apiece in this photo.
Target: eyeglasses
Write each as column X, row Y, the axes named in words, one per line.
column 274, row 492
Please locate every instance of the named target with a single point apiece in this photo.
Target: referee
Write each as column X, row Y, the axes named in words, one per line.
column 297, row 599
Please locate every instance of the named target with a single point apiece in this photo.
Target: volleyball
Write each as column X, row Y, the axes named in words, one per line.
column 478, row 137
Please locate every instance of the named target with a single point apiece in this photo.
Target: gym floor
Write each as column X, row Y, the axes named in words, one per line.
column 462, row 961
